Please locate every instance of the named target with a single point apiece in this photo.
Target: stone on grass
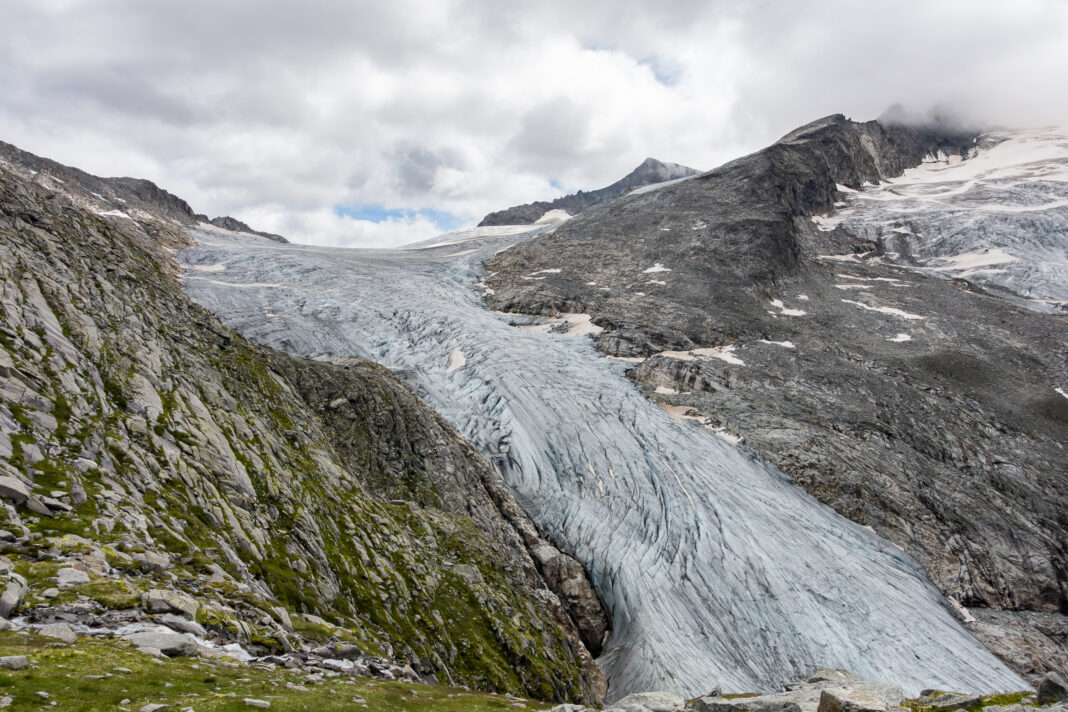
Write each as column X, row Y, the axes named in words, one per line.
column 14, row 662
column 653, row 701
column 251, row 702
column 60, row 631
column 860, row 697
column 181, row 624
column 37, row 506
column 786, row 702
column 12, row 596
column 953, row 701
column 152, row 562
column 165, row 601
column 65, row 578
column 13, row 489
column 155, row 708
column 170, row 644
column 1052, row 688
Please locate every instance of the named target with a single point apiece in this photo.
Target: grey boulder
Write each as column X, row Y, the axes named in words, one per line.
column 12, row 595
column 59, row 631
column 652, row 701
column 1051, row 689
column 170, row 644
column 165, row 601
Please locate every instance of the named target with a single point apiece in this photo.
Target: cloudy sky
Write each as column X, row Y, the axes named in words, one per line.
column 371, row 123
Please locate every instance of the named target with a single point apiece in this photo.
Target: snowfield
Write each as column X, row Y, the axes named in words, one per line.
column 999, row 218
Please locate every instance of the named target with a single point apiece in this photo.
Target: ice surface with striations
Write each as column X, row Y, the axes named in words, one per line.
column 716, row 567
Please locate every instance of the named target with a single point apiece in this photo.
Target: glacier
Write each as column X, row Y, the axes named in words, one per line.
column 998, row 219
column 716, row 568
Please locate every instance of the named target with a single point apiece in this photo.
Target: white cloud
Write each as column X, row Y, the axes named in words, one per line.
column 278, row 112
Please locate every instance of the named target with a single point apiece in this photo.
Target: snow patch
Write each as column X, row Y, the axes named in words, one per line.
column 784, row 344
column 657, row 267
column 567, row 325
column 1061, row 391
column 972, row 260
column 456, row 360
column 723, row 434
column 886, row 310
column 723, row 353
column 553, row 216
column 778, row 304
column 239, row 285
column 657, row 186
column 900, row 338
column 208, row 268
column 665, row 391
column 112, row 214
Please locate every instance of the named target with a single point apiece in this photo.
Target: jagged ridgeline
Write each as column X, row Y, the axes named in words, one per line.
column 297, row 503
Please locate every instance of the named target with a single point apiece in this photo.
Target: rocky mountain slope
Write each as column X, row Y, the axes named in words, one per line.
column 796, row 301
column 159, row 214
column 650, row 172
column 165, row 480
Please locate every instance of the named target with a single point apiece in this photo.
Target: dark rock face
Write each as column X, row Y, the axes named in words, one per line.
column 921, row 407
column 234, row 225
column 649, row 172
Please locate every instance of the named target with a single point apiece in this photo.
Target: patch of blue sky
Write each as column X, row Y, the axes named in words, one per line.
column 664, row 71
column 377, row 213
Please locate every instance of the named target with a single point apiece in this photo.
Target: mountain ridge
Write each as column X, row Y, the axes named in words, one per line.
column 158, row 210
column 649, row 172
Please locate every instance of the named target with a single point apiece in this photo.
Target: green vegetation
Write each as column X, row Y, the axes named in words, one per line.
column 1001, row 700
column 69, row 674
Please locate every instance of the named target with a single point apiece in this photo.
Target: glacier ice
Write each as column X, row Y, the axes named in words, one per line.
column 999, row 219
column 717, row 569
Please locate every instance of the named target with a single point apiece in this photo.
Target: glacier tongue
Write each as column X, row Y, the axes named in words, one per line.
column 716, row 568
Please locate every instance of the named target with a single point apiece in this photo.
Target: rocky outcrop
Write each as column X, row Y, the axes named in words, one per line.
column 824, row 691
column 650, row 171
column 160, row 215
column 192, row 480
column 234, row 225
column 919, row 406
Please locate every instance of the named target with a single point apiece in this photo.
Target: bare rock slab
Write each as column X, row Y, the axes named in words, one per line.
column 60, row 631
column 170, row 644
column 652, row 701
column 165, row 601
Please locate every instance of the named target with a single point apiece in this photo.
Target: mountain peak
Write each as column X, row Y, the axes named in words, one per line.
column 648, row 172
